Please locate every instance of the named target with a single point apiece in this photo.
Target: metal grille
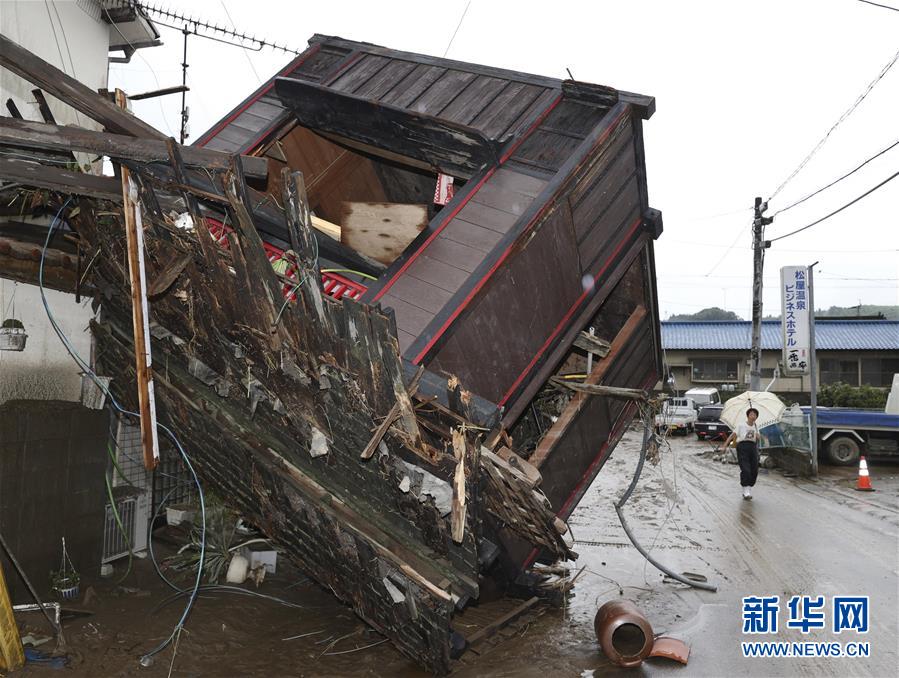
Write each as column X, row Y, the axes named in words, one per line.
column 115, row 544
column 172, row 482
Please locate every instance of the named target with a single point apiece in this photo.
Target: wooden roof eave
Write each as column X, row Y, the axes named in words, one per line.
column 457, row 150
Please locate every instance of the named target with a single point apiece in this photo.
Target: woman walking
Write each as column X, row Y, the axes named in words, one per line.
column 747, row 438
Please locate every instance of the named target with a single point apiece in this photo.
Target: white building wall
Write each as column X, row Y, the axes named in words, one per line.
column 44, row 371
column 71, row 35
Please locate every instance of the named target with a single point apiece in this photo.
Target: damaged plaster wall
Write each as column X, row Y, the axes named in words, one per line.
column 44, row 371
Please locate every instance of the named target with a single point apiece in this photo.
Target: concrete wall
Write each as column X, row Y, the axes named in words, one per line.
column 52, row 459
column 44, row 371
column 69, row 34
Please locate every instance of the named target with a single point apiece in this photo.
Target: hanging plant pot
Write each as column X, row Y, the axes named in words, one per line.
column 65, row 581
column 12, row 335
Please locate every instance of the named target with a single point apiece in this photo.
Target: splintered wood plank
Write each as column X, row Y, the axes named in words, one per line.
column 35, row 70
column 381, row 230
column 560, row 426
column 140, row 313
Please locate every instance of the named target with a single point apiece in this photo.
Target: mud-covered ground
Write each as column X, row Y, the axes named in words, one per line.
column 796, row 537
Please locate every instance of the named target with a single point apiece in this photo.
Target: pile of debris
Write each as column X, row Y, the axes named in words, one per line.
column 296, row 395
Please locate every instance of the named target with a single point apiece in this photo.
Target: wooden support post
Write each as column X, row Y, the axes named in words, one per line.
column 139, row 313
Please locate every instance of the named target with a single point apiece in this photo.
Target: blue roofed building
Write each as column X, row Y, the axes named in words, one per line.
column 716, row 353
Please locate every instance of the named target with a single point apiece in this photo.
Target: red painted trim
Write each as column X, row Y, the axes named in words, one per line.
column 464, row 201
column 262, row 91
column 539, row 121
column 623, row 421
column 437, row 231
column 502, row 258
column 571, row 310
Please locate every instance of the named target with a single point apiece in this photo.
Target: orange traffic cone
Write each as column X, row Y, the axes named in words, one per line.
column 864, row 480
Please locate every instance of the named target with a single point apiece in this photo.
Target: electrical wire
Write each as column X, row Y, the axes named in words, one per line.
column 877, row 4
column 726, row 252
column 147, row 658
column 244, row 49
column 458, row 26
column 838, row 210
column 836, row 181
column 839, row 121
column 349, row 270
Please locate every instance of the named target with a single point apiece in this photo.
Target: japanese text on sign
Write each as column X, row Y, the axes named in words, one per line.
column 795, row 319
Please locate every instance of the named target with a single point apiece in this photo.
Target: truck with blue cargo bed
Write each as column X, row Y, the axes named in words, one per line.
column 844, row 434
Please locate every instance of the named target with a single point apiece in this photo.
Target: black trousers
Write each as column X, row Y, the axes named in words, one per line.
column 748, row 457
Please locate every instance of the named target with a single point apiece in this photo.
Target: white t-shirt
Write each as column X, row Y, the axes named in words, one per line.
column 747, row 433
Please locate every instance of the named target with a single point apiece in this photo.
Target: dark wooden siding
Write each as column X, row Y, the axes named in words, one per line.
column 589, row 227
column 500, row 106
column 440, row 268
column 567, row 472
column 516, row 314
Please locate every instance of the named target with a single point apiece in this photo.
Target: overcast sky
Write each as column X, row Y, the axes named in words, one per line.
column 744, row 91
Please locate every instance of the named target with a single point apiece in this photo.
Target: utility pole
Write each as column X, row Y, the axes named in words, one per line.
column 184, row 67
column 759, row 244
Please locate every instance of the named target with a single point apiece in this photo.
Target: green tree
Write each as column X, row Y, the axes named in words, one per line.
column 844, row 395
column 711, row 313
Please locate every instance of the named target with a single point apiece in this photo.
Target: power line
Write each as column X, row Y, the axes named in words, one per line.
column 458, row 26
column 838, row 210
column 876, row 4
column 245, row 53
column 839, row 121
column 726, row 252
column 836, row 181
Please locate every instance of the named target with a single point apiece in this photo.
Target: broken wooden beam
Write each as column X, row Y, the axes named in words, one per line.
column 51, row 137
column 58, row 179
column 143, row 360
column 49, row 78
column 455, row 149
column 592, row 344
column 601, row 390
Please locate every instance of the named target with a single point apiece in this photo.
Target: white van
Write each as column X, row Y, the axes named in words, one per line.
column 704, row 396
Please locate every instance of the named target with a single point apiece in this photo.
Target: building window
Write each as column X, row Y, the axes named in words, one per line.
column 834, row 370
column 879, row 371
column 767, row 372
column 714, row 369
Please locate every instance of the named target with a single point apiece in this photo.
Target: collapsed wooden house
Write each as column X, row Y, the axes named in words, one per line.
column 381, row 401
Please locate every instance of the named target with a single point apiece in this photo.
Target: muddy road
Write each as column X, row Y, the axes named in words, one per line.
column 796, row 537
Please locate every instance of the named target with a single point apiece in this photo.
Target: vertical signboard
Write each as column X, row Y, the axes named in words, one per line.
column 794, row 295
